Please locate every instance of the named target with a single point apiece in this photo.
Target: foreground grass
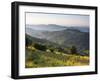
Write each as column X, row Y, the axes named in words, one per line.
column 37, row 58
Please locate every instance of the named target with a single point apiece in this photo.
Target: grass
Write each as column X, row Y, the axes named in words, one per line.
column 36, row 58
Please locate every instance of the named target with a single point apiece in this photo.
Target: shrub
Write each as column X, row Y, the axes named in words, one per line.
column 73, row 50
column 28, row 42
column 40, row 47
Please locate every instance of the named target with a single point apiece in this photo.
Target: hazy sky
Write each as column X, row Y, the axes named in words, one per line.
column 59, row 19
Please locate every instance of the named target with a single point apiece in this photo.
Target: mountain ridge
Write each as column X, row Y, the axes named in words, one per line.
column 54, row 27
column 67, row 37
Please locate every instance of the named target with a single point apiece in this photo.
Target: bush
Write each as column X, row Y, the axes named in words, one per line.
column 28, row 42
column 73, row 50
column 40, row 47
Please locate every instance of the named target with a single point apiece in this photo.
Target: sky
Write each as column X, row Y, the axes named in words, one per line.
column 58, row 19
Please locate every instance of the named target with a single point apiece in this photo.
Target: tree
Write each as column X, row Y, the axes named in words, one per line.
column 51, row 49
column 40, row 47
column 60, row 49
column 28, row 41
column 73, row 50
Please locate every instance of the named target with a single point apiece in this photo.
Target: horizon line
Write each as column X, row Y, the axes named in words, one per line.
column 59, row 25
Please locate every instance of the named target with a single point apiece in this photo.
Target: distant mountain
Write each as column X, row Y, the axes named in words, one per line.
column 54, row 27
column 43, row 27
column 35, row 33
column 41, row 41
column 82, row 29
column 65, row 36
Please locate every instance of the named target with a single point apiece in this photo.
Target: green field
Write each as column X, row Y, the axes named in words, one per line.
column 35, row 58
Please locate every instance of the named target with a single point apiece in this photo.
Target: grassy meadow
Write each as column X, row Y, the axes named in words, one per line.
column 47, row 58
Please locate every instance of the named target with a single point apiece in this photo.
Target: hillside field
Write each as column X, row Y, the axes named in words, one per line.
column 36, row 58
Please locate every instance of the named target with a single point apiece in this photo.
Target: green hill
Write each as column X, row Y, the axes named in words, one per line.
column 43, row 53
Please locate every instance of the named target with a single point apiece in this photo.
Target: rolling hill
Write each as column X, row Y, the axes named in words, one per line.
column 60, row 35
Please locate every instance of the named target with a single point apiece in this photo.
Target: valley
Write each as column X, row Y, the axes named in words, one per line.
column 55, row 45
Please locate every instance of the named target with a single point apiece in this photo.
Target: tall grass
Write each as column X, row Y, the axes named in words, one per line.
column 37, row 58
